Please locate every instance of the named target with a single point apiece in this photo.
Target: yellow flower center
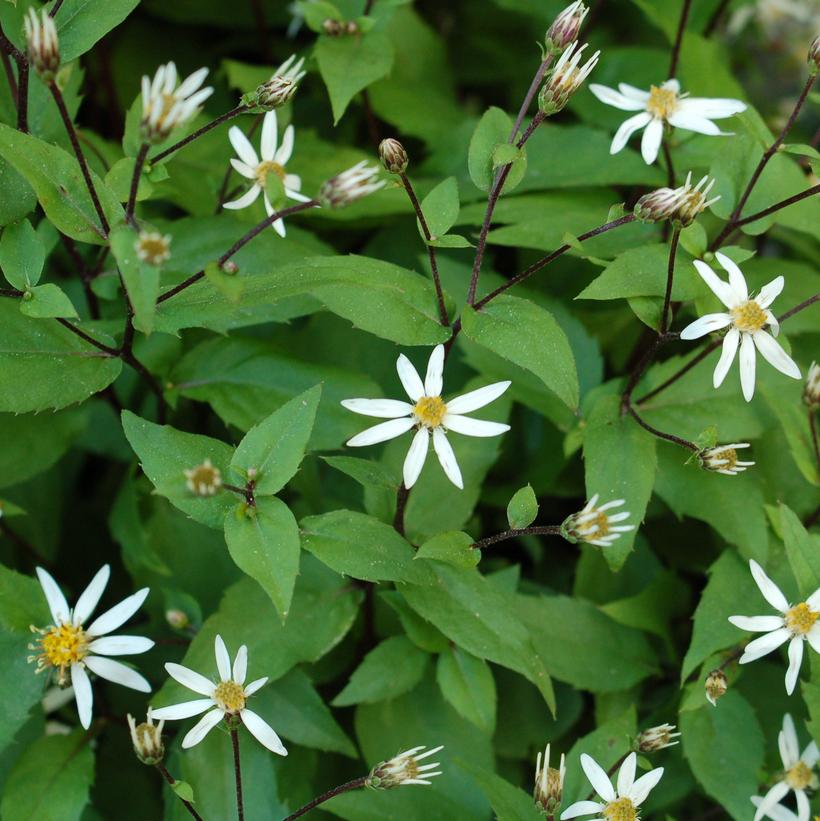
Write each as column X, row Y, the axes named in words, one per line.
column 727, row 457
column 269, row 167
column 597, row 527
column 749, row 316
column 801, row 618
column 230, row 696
column 60, row 647
column 621, row 810
column 153, row 248
column 800, row 776
column 430, row 410
column 204, row 479
column 662, row 102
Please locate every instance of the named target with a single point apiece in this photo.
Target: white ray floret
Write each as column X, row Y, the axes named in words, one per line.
column 594, row 525
column 746, row 319
column 72, row 650
column 166, row 105
column 795, row 624
column 623, row 801
column 429, row 414
column 724, row 459
column 405, row 769
column 661, row 105
column 226, row 698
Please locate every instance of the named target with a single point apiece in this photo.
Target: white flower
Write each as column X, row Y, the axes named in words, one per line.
column 146, row 739
column 72, row 649
column 683, row 204
column 281, row 86
column 565, row 79
column 204, row 479
column 403, row 769
column 796, row 625
column 723, row 459
column 549, row 783
column 166, row 106
column 356, row 182
column 663, row 104
column 656, row 738
column 153, row 247
column 429, row 414
column 225, row 699
column 748, row 316
column 798, row 773
column 621, row 804
column 273, row 161
column 42, row 43
column 594, row 525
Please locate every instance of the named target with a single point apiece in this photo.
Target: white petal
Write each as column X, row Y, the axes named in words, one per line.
column 795, row 660
column 242, row 146
column 634, row 93
column 727, row 356
column 243, row 168
column 690, row 121
column 82, row 694
column 597, row 777
column 185, row 709
column 202, row 728
column 718, row 287
column 381, row 408
column 414, row 461
column 747, row 366
column 651, row 141
column 737, row 282
column 619, row 100
column 191, row 83
column 286, row 150
column 771, row 798
column 223, row 660
column 764, row 645
column 757, row 624
column 473, row 427
column 248, row 198
column 434, row 379
column 269, row 136
column 447, row 458
column 626, row 775
column 644, row 785
column 787, row 743
column 117, row 615
column 814, row 638
column 705, row 325
column 255, row 685
column 279, row 225
column 770, row 292
column 295, row 195
column 771, row 592
column 671, row 85
column 715, row 108
column 54, row 596
column 410, row 378
column 581, row 808
column 778, row 812
column 120, row 645
column 117, row 672
column 811, row 755
column 771, row 351
column 262, row 732
column 91, row 595
column 190, row 679
column 477, row 399
column 240, row 665
column 627, row 128
column 803, row 807
column 381, row 432
column 293, row 181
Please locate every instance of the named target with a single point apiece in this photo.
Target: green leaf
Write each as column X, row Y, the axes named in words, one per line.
column 440, row 208
column 276, row 446
column 362, row 547
column 523, row 508
column 803, row 552
column 43, row 365
column 47, row 302
column 184, row 790
column 527, row 335
column 22, row 602
column 264, row 542
column 166, row 453
column 492, row 132
column 81, row 23
column 56, row 178
column 50, row 781
column 453, row 547
column 389, row 670
column 509, row 803
column 140, row 277
column 120, row 178
column 20, row 688
column 366, row 472
column 419, row 631
column 468, row 684
column 22, row 255
column 349, row 64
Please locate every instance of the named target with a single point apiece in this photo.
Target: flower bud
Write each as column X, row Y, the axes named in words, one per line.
column 565, row 79
column 350, row 185
column 177, row 619
column 147, row 740
column 274, row 93
column 153, row 247
column 814, row 55
column 333, row 28
column 681, row 205
column 393, row 156
column 403, row 769
column 549, row 784
column 723, row 459
column 716, row 685
column 566, row 26
column 657, row 206
column 811, row 393
column 204, row 479
column 230, row 267
column 42, row 44
column 656, row 738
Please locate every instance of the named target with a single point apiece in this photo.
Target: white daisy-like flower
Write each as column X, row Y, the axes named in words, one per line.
column 70, row 649
column 226, row 699
column 619, row 803
column 404, row 769
column 548, row 791
column 565, row 79
column 344, row 189
column 166, row 105
column 661, row 105
column 594, row 525
column 747, row 316
column 657, row 738
column 274, row 159
column 796, row 624
column 724, row 459
column 683, row 204
column 429, row 414
column 798, row 773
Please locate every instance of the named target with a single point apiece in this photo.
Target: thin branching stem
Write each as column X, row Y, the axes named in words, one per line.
column 237, row 770
column 20, row 87
column 355, row 784
column 514, row 533
column 222, row 118
column 402, row 494
column 675, row 56
column 171, row 782
column 809, row 192
column 670, row 276
column 135, row 183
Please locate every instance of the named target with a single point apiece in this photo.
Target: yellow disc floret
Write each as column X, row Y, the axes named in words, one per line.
column 429, row 411
column 269, row 167
column 60, row 647
column 662, row 102
column 230, row 696
column 801, row 618
column 749, row 316
column 621, row 810
column 800, row 776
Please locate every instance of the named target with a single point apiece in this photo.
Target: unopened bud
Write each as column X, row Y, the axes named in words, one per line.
column 656, row 738
column 716, row 685
column 657, row 206
column 204, row 479
column 333, row 28
column 42, row 44
column 566, row 26
column 147, row 740
column 230, row 267
column 403, row 768
column 350, row 185
column 393, row 156
column 275, row 93
column 177, row 619
column 549, row 784
column 814, row 55
column 565, row 79
column 811, row 393
column 681, row 205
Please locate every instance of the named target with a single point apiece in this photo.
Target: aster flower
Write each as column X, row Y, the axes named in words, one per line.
column 356, row 182
column 723, row 459
column 682, row 204
column 566, row 26
column 404, row 769
column 622, row 803
column 715, row 686
column 656, row 738
column 166, row 105
column 594, row 525
column 227, row 699
column 71, row 650
column 42, row 44
column 549, row 784
column 281, row 86
column 273, row 162
column 747, row 316
column 663, row 104
column 565, row 79
column 795, row 624
column 153, row 247
column 429, row 414
column 146, row 738
column 204, row 479
column 798, row 773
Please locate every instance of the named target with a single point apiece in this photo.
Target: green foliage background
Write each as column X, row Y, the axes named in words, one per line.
column 374, row 642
